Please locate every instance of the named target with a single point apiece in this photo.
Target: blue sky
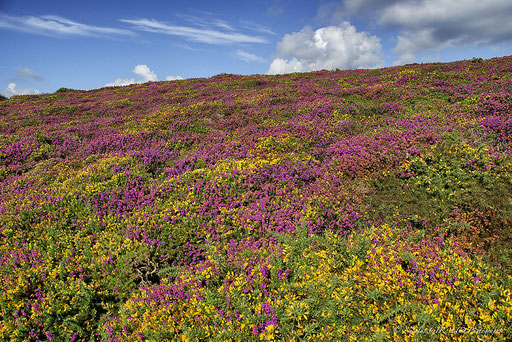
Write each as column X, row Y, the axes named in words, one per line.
column 91, row 44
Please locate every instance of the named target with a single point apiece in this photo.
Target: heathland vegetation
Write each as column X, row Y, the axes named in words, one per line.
column 331, row 205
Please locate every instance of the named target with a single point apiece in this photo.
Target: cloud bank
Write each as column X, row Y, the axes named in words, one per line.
column 327, row 48
column 425, row 26
column 436, row 24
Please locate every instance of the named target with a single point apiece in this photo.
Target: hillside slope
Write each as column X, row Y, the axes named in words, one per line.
column 329, row 205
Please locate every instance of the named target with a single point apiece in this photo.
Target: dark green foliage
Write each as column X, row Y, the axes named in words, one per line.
column 64, row 90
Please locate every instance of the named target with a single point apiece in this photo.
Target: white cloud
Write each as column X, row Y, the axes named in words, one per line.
column 11, row 90
column 53, row 25
column 327, row 48
column 248, row 57
column 173, row 78
column 145, row 75
column 205, row 34
column 282, row 66
column 119, row 82
column 24, row 73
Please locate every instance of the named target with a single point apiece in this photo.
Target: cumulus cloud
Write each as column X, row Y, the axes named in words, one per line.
column 11, row 90
column 249, row 57
column 145, row 75
column 216, row 32
column 173, row 78
column 24, row 73
column 284, row 66
column 327, row 48
column 53, row 25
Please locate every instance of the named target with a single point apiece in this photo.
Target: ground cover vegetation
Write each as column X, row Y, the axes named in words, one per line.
column 332, row 205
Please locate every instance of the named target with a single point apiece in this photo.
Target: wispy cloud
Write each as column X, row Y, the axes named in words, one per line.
column 53, row 25
column 256, row 27
column 207, row 22
column 217, row 33
column 223, row 25
column 249, row 57
column 24, row 73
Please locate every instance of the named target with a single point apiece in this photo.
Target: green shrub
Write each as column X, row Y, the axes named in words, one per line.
column 64, row 90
